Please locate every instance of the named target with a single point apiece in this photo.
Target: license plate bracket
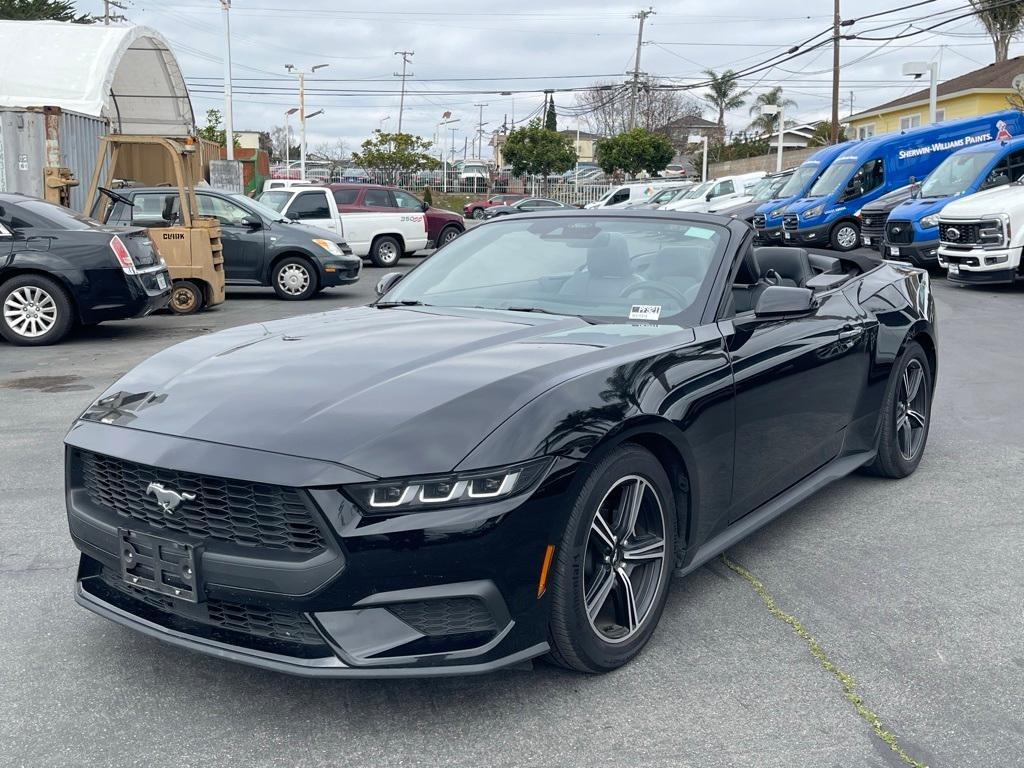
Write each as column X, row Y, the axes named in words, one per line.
column 954, row 269
column 160, row 565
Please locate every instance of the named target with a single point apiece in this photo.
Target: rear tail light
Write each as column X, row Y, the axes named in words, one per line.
column 123, row 257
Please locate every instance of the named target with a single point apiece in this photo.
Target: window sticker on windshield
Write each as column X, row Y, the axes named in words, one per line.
column 645, row 312
column 703, row 234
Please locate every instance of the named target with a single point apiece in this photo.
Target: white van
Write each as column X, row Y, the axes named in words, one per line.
column 285, row 184
column 636, row 192
column 714, row 192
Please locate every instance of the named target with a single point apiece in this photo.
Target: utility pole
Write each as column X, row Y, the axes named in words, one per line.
column 401, row 99
column 229, row 133
column 835, row 74
column 480, row 131
column 108, row 16
column 302, row 112
column 642, row 15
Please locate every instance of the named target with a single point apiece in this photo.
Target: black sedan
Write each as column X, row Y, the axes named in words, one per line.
column 527, row 205
column 549, row 417
column 261, row 247
column 58, row 268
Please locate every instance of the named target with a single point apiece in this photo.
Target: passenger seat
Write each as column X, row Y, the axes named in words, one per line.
column 791, row 266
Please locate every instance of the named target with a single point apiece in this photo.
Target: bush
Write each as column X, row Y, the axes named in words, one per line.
column 428, row 196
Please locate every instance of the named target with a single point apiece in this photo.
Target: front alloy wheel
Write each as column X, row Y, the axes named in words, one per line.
column 846, row 236
column 614, row 563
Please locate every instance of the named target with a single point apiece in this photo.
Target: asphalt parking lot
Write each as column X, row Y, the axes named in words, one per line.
column 911, row 587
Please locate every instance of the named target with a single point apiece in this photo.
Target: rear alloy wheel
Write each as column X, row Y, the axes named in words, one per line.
column 614, row 564
column 478, row 213
column 906, row 415
column 846, row 236
column 186, row 298
column 386, row 251
column 36, row 311
column 294, row 280
column 448, row 234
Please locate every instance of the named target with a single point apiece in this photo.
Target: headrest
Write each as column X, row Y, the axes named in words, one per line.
column 608, row 256
column 679, row 261
column 789, row 263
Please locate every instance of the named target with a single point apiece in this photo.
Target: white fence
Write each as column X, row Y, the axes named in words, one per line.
column 565, row 188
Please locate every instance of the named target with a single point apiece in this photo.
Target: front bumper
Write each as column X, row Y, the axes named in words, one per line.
column 981, row 266
column 446, row 592
column 816, row 235
column 341, row 271
column 768, row 235
column 920, row 253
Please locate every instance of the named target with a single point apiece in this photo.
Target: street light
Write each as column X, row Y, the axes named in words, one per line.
column 229, row 131
column 443, row 130
column 773, row 109
column 916, row 69
column 288, row 142
column 696, row 139
column 302, row 110
column 382, row 121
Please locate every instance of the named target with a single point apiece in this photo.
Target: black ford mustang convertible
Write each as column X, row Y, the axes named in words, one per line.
column 507, row 456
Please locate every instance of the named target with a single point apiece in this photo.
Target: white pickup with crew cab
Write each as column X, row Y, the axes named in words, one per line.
column 981, row 236
column 380, row 236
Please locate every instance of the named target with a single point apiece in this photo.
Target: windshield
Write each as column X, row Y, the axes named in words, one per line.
column 832, row 179
column 955, row 174
column 666, row 196
column 260, row 206
column 596, row 268
column 767, row 190
column 799, row 180
column 275, row 200
column 699, row 191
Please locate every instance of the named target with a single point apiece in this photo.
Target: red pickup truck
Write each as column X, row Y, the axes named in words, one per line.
column 442, row 226
column 475, row 208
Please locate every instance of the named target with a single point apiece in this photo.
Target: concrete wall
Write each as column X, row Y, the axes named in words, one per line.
column 765, row 163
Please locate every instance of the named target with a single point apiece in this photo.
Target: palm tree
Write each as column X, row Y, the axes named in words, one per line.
column 724, row 94
column 768, row 124
column 1002, row 21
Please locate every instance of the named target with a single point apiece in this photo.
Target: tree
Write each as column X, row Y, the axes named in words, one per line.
column 393, row 153
column 822, row 135
column 724, row 95
column 334, row 152
column 765, row 123
column 50, row 10
column 634, row 151
column 277, row 139
column 213, row 131
column 1003, row 22
column 604, row 108
column 537, row 150
column 551, row 117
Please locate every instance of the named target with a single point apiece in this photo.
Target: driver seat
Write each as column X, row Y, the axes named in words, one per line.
column 608, row 272
column 792, row 266
column 679, row 266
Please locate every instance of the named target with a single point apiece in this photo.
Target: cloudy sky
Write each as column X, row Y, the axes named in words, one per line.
column 466, row 54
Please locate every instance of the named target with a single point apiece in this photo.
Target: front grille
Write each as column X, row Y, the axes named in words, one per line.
column 759, row 221
column 448, row 616
column 899, row 232
column 967, row 233
column 970, row 261
column 790, row 221
column 873, row 224
column 248, row 514
column 235, row 617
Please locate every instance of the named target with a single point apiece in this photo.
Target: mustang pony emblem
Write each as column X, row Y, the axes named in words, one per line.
column 167, row 498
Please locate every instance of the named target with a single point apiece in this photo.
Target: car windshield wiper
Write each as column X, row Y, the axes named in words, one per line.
column 402, row 303
column 541, row 311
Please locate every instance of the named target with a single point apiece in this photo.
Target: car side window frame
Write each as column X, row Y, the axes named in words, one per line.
column 388, row 198
column 201, row 196
column 321, row 213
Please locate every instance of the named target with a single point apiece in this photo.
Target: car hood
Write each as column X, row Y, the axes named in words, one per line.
column 389, row 392
column 912, row 210
column 806, row 203
column 772, row 205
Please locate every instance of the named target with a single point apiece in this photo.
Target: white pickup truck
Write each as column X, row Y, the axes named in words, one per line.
column 381, row 237
column 981, row 236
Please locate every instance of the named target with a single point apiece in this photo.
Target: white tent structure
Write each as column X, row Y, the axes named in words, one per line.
column 125, row 75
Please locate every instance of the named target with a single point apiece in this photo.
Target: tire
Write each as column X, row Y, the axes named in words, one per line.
column 448, row 234
column 294, row 279
column 903, row 435
column 186, row 298
column 478, row 213
column 590, row 556
column 845, row 236
column 385, row 251
column 34, row 311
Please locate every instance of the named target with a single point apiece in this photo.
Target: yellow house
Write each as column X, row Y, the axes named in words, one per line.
column 979, row 92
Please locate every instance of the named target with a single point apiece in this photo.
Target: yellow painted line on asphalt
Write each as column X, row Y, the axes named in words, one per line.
column 844, row 678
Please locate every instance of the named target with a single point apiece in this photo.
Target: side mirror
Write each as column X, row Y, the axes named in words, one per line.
column 782, row 300
column 251, row 222
column 709, row 195
column 388, row 282
column 424, row 206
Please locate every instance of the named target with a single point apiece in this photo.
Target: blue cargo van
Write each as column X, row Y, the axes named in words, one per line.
column 768, row 217
column 826, row 215
column 912, row 231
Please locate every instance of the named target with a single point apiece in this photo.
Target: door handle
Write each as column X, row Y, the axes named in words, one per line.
column 849, row 333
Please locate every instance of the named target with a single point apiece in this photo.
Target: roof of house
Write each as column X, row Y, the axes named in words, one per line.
column 688, row 121
column 583, row 134
column 998, row 76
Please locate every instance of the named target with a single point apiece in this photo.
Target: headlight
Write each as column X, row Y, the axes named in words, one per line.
column 777, row 212
column 419, row 494
column 930, row 221
column 812, row 213
column 331, row 248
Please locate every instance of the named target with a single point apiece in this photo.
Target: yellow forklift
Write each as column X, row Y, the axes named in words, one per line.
column 189, row 243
